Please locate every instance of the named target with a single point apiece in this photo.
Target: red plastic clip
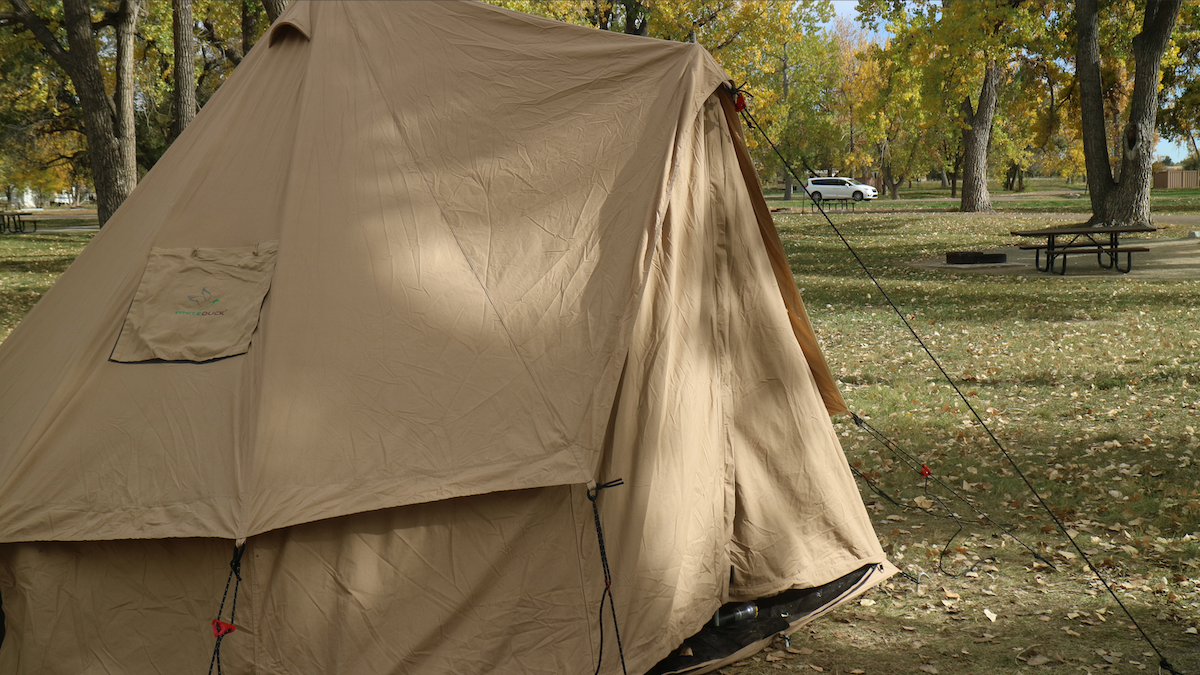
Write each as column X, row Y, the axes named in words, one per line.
column 740, row 103
column 925, row 472
column 221, row 628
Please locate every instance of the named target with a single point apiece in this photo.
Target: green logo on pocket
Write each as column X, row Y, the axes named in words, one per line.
column 203, row 302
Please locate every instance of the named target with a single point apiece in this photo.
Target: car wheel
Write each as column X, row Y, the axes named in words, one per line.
column 858, row 196
column 816, row 196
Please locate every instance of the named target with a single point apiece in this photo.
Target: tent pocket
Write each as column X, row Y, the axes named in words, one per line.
column 196, row 304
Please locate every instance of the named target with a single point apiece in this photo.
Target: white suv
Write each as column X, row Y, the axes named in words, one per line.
column 839, row 188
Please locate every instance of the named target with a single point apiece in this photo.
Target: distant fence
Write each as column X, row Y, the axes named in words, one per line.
column 1177, row 179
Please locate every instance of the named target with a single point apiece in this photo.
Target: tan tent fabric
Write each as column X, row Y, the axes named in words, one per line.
column 515, row 258
column 798, row 316
column 510, row 253
column 196, row 304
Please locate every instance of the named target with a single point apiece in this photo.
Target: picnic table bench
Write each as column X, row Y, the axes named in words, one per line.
column 1102, row 240
column 14, row 222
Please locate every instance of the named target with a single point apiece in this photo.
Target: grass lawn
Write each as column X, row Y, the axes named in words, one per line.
column 1090, row 383
column 29, row 265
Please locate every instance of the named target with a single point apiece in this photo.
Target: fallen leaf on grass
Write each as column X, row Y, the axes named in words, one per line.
column 929, row 668
column 986, row 637
column 990, row 615
column 922, row 502
column 1038, row 660
column 858, row 671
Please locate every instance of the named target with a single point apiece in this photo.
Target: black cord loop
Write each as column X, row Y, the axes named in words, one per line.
column 220, row 628
column 592, row 495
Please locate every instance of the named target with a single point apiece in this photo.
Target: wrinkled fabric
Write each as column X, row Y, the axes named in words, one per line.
column 515, row 259
column 465, row 199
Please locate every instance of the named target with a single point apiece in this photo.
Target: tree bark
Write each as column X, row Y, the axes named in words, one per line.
column 126, row 127
column 976, row 137
column 249, row 24
column 274, row 8
column 1124, row 200
column 788, row 185
column 184, row 96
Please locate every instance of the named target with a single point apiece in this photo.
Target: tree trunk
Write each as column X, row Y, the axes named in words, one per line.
column 635, row 18
column 788, row 185
column 108, row 122
column 976, row 137
column 1091, row 104
column 249, row 25
column 954, row 175
column 185, row 65
column 126, row 129
column 945, row 181
column 890, row 183
column 82, row 65
column 274, row 8
column 1125, row 201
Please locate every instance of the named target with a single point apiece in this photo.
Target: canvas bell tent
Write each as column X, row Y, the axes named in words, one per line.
column 416, row 279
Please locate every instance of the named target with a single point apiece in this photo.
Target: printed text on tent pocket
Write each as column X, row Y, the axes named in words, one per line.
column 196, row 304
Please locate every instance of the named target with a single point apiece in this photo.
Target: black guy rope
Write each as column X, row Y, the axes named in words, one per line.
column 929, row 512
column 928, row 474
column 740, row 104
column 220, row 628
column 592, row 494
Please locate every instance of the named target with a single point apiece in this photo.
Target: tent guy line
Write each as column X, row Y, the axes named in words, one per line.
column 748, row 117
column 593, row 494
column 928, row 474
column 220, row 628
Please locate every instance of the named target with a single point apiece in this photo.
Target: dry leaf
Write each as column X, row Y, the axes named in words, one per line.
column 866, row 602
column 923, row 502
column 990, row 615
column 858, row 671
column 819, row 669
column 1038, row 660
column 928, row 668
column 949, row 593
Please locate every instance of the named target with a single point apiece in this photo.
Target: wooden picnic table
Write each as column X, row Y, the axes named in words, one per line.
column 1103, row 240
column 14, row 222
